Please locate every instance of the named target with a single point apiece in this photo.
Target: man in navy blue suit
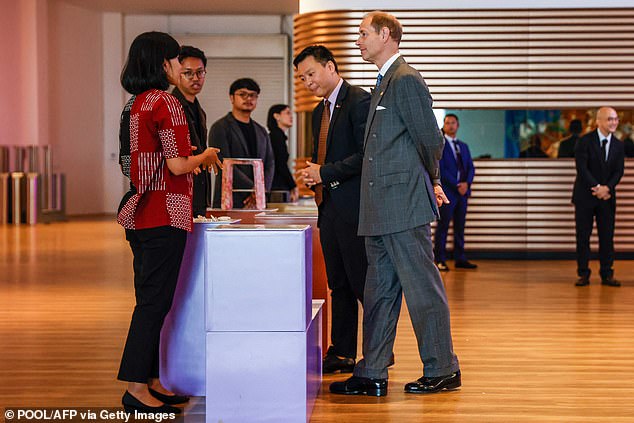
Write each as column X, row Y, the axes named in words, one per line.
column 456, row 175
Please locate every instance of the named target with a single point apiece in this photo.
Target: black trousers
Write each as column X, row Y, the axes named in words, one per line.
column 604, row 212
column 158, row 253
column 346, row 267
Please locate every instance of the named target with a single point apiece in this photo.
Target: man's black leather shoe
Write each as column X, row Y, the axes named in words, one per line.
column 610, row 281
column 332, row 364
column 465, row 265
column 360, row 386
column 442, row 266
column 168, row 399
column 583, row 281
column 429, row 385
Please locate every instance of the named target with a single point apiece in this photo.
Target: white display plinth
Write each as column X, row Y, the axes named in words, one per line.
column 259, row 278
column 264, row 376
column 263, row 329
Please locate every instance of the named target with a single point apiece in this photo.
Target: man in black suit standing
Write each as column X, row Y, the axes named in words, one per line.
column 599, row 158
column 400, row 196
column 335, row 174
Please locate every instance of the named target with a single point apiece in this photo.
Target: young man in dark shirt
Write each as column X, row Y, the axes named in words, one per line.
column 190, row 83
column 239, row 136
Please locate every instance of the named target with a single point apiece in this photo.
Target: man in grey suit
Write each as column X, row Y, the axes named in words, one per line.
column 400, row 196
column 239, row 136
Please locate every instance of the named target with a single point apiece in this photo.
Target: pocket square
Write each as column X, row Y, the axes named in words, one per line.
column 379, row 107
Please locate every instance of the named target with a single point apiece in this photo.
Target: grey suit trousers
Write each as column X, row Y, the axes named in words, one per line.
column 403, row 263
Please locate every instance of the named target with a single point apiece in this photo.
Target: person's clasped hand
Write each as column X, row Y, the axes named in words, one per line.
column 602, row 192
column 310, row 174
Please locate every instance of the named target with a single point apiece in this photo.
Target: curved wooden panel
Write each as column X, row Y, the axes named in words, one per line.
column 483, row 59
column 525, row 205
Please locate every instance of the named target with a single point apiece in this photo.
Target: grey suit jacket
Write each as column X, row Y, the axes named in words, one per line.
column 226, row 135
column 402, row 147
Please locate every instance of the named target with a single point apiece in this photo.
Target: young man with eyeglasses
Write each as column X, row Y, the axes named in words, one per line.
column 190, row 83
column 239, row 136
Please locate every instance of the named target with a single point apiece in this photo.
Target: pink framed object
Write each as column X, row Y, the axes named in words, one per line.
column 226, row 202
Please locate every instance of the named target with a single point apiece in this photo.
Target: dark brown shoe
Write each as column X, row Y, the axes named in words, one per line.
column 583, row 281
column 356, row 385
column 610, row 281
column 429, row 385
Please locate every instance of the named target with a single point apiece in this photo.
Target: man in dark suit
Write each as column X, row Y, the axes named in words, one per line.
column 567, row 145
column 400, row 195
column 239, row 136
column 599, row 158
column 190, row 83
column 335, row 174
column 456, row 175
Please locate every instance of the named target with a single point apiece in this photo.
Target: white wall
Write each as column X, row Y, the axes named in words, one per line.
column 76, row 104
column 113, row 59
column 24, row 74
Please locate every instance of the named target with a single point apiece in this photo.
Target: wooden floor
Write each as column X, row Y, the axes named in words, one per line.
column 532, row 346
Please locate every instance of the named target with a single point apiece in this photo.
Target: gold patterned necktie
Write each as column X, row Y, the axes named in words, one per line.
column 321, row 148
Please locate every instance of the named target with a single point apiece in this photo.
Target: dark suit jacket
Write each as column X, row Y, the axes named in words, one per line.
column 592, row 170
column 226, row 135
column 567, row 147
column 198, row 138
column 402, row 147
column 629, row 147
column 341, row 173
column 449, row 169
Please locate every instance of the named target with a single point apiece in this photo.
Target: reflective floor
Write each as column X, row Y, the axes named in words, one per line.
column 532, row 346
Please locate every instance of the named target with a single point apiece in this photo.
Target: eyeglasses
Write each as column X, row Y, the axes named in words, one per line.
column 245, row 95
column 190, row 74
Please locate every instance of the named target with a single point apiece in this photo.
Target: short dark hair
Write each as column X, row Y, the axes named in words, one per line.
column 321, row 54
column 451, row 115
column 575, row 127
column 247, row 83
column 271, row 123
column 189, row 51
column 143, row 69
column 381, row 19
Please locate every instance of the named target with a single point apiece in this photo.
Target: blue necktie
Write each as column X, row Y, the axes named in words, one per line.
column 379, row 77
column 462, row 174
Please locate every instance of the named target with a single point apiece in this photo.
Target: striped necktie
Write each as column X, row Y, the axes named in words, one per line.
column 321, row 148
column 462, row 174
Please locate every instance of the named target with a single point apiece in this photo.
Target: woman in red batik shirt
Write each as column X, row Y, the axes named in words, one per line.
column 155, row 154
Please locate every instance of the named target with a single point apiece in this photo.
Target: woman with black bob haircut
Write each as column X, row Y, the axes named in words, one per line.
column 155, row 154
